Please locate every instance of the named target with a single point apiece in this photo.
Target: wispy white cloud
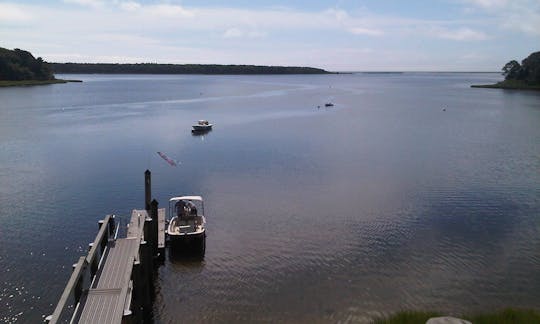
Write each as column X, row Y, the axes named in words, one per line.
column 489, row 3
column 460, row 34
column 239, row 33
column 517, row 15
column 366, row 31
column 167, row 10
column 88, row 3
column 129, row 5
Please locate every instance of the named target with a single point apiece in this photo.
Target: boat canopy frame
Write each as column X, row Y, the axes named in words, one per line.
column 173, row 200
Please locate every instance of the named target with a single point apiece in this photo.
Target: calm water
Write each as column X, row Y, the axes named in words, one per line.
column 383, row 202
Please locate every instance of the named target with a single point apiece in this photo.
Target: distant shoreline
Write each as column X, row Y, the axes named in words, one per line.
column 26, row 83
column 154, row 68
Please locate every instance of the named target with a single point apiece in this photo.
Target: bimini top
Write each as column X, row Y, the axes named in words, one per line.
column 198, row 198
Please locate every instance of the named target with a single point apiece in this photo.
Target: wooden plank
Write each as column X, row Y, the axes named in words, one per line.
column 105, row 303
column 136, row 224
column 117, row 264
column 102, row 306
column 161, row 228
column 107, row 300
column 110, row 293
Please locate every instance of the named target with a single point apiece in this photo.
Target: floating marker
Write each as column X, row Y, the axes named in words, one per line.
column 168, row 159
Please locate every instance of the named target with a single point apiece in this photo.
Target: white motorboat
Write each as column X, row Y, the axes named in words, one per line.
column 201, row 126
column 187, row 225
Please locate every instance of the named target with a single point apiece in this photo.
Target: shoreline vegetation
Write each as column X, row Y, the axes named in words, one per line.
column 20, row 83
column 154, row 68
column 21, row 68
column 509, row 85
column 505, row 316
column 524, row 76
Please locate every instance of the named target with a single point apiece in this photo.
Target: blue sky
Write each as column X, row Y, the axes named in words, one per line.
column 451, row 35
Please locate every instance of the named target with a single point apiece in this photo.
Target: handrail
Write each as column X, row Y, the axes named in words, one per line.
column 103, row 233
column 74, row 285
column 70, row 287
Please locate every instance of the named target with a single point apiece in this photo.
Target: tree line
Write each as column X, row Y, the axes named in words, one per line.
column 18, row 65
column 154, row 68
column 528, row 71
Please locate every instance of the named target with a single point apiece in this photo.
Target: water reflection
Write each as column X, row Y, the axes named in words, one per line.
column 185, row 258
column 200, row 132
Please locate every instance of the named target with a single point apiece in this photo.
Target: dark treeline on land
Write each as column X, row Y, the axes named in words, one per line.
column 525, row 76
column 528, row 71
column 154, row 68
column 19, row 65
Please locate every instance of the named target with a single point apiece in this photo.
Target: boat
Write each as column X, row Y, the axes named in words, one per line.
column 329, row 104
column 186, row 229
column 201, row 126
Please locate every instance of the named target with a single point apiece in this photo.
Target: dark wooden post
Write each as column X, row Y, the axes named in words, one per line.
column 145, row 253
column 112, row 226
column 147, row 189
column 154, row 227
column 138, row 292
column 147, row 247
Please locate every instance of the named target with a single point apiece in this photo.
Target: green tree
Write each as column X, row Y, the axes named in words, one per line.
column 531, row 68
column 20, row 65
column 511, row 70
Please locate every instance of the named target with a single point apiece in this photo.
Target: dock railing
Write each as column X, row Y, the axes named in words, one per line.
column 83, row 273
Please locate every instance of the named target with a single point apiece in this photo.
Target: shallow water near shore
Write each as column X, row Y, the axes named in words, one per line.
column 381, row 203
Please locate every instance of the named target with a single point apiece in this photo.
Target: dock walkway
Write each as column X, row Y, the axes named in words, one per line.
column 114, row 282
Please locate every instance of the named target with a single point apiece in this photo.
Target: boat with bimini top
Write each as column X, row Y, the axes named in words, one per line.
column 187, row 225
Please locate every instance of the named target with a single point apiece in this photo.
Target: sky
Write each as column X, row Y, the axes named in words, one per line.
column 370, row 35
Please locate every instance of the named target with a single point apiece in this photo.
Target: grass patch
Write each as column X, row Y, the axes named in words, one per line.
column 509, row 84
column 505, row 316
column 8, row 83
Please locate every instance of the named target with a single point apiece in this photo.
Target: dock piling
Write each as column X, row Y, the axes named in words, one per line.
column 147, row 189
column 154, row 228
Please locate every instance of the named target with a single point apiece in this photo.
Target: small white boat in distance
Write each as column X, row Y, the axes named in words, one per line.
column 202, row 125
column 187, row 224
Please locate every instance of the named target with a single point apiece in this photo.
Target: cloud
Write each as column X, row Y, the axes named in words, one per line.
column 517, row 15
column 88, row 3
column 164, row 31
column 168, row 10
column 239, row 33
column 461, row 34
column 129, row 5
column 489, row 3
column 366, row 31
column 10, row 13
column 338, row 14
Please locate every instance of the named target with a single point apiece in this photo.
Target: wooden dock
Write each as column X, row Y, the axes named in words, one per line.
column 114, row 282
